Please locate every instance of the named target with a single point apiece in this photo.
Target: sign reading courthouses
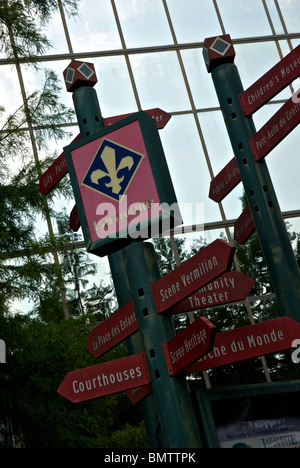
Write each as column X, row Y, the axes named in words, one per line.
column 105, row 378
column 122, row 184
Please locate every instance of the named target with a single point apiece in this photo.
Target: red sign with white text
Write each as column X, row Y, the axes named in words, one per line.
column 276, row 129
column 191, row 275
column 58, row 169
column 160, row 117
column 249, row 342
column 136, row 395
column 55, row 173
column 105, row 378
column 225, row 181
column 194, row 341
column 270, row 84
column 112, row 331
column 234, row 286
column 244, row 226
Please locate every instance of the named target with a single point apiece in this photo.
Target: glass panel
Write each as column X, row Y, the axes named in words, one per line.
column 275, row 17
column 95, row 28
column 290, row 11
column 159, row 81
column 188, row 169
column 11, row 98
column 200, row 81
column 54, row 32
column 114, row 86
column 193, row 20
column 144, row 23
column 254, row 60
column 244, row 19
column 220, row 153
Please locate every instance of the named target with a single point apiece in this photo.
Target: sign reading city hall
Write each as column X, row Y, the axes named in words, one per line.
column 122, row 185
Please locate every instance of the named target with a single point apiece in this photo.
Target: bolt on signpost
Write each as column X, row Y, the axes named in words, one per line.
column 103, row 167
column 219, row 58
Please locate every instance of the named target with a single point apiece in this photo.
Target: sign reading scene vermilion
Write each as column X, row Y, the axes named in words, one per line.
column 234, row 286
column 191, row 275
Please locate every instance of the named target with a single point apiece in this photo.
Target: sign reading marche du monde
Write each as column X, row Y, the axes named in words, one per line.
column 122, row 185
column 248, row 342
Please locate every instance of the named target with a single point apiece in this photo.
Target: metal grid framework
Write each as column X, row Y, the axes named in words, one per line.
column 278, row 34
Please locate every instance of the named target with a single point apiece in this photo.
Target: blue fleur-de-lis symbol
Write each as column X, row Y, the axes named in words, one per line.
column 112, row 169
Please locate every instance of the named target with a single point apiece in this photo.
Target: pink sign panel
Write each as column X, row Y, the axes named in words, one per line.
column 116, row 184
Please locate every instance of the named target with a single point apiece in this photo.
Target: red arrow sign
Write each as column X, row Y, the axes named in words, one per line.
column 276, row 129
column 270, row 84
column 161, row 118
column 106, row 378
column 244, row 226
column 58, row 169
column 136, row 395
column 191, row 275
column 249, row 342
column 74, row 219
column 225, row 181
column 113, row 331
column 234, row 286
column 195, row 341
column 55, row 173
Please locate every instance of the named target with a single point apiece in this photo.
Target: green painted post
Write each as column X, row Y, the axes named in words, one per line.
column 133, row 271
column 260, row 193
column 135, row 346
column 173, row 400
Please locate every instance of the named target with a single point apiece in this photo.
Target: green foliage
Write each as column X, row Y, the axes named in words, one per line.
column 22, row 19
column 39, row 356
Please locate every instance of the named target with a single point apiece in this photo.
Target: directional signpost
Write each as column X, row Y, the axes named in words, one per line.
column 194, row 341
column 112, row 331
column 55, row 173
column 270, row 84
column 249, row 342
column 58, row 170
column 109, row 166
column 122, row 185
column 136, row 395
column 244, row 226
column 106, row 378
column 191, row 275
column 225, row 181
column 276, row 129
column 234, row 286
column 237, row 106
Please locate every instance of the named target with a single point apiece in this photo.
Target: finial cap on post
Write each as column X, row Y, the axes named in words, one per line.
column 79, row 74
column 217, row 51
